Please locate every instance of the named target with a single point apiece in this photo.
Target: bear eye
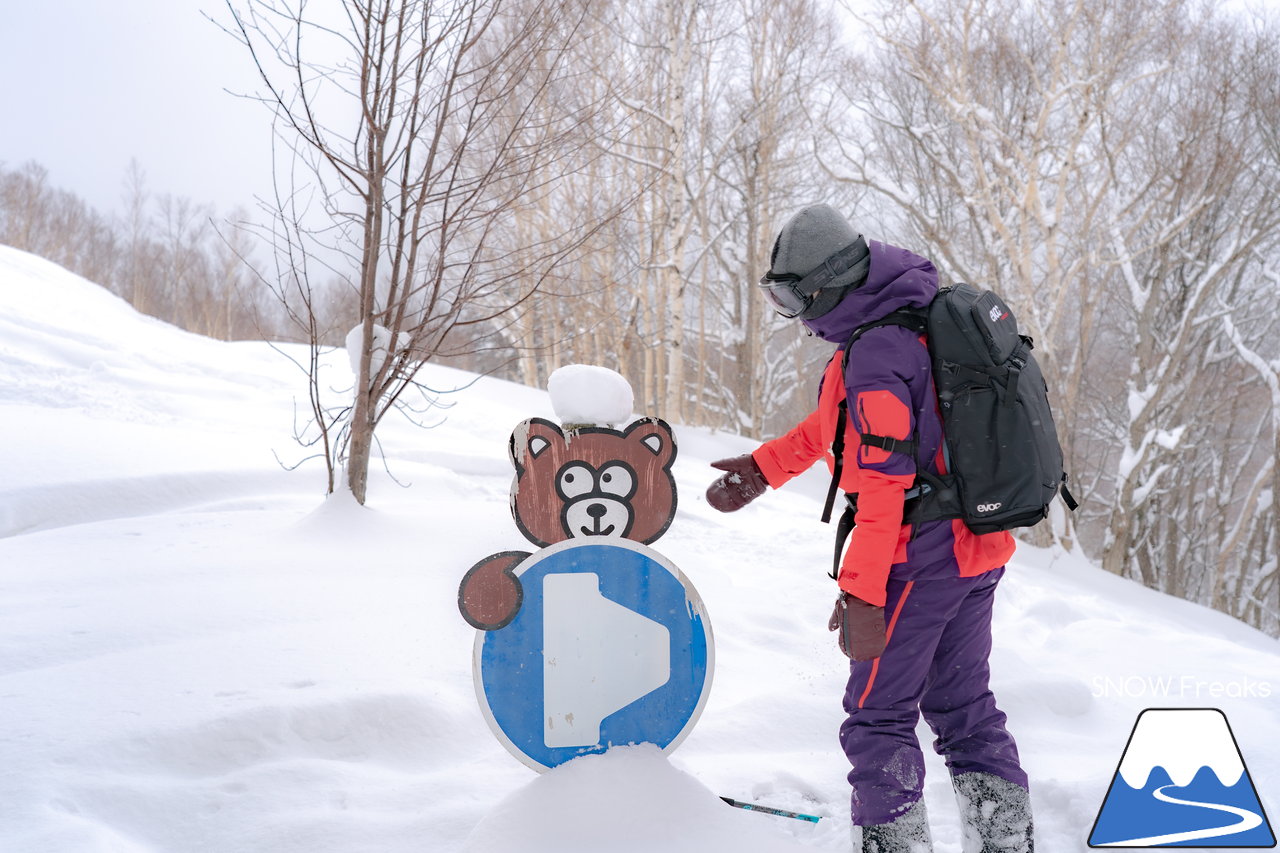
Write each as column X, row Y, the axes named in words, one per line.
column 617, row 480
column 575, row 481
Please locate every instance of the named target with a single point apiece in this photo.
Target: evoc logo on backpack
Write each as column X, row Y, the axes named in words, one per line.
column 990, row 507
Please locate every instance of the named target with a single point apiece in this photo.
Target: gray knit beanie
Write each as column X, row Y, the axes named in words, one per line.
column 807, row 240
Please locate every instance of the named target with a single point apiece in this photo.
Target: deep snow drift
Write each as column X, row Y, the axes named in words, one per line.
column 197, row 653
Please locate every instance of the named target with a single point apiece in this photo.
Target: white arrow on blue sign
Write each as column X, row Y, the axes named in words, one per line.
column 611, row 646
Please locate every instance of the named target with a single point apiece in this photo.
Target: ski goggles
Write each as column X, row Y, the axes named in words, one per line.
column 784, row 294
column 791, row 294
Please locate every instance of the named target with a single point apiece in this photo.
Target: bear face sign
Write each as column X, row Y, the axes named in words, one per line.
column 592, row 481
column 593, row 640
column 574, row 484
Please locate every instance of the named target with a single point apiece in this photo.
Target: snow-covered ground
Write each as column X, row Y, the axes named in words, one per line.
column 197, row 653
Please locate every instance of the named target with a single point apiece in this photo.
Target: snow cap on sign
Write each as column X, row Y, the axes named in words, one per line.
column 587, row 395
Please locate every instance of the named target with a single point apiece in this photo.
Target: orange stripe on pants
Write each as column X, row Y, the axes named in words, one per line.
column 888, row 635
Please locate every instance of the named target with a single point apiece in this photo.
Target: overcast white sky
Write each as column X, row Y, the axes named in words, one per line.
column 85, row 85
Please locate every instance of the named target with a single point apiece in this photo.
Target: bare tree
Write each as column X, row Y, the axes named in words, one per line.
column 575, row 314
column 979, row 131
column 37, row 217
column 414, row 127
column 713, row 100
column 782, row 61
column 159, row 255
column 653, row 81
column 137, row 265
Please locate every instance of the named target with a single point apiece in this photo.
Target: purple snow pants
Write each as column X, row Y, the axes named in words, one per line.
column 935, row 663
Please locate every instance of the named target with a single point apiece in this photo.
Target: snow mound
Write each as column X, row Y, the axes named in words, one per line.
column 587, row 394
column 378, row 352
column 633, row 798
column 31, row 286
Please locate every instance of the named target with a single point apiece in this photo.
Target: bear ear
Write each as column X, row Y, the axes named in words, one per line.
column 654, row 434
column 532, row 437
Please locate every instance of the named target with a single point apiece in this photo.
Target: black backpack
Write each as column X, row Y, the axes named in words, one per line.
column 1000, row 446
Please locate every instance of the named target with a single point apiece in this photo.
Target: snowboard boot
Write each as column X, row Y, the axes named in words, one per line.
column 995, row 814
column 907, row 833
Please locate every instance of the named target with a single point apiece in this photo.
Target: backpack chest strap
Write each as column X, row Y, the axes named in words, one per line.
column 906, row 447
column 908, row 318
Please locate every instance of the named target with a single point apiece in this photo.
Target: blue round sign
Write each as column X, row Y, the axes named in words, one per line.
column 611, row 647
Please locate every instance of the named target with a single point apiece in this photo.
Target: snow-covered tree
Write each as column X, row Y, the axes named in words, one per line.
column 1106, row 167
column 1186, row 251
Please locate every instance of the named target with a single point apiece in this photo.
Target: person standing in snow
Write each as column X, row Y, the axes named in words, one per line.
column 913, row 612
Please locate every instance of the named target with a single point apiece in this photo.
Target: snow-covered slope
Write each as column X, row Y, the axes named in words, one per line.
column 197, row 653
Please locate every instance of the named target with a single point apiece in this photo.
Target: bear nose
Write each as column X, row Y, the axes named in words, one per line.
column 597, row 510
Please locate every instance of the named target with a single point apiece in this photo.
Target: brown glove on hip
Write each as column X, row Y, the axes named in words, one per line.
column 859, row 627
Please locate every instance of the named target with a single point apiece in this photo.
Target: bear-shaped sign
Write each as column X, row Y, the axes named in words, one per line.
column 569, row 484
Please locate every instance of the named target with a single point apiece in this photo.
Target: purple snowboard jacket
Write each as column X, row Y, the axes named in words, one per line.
column 889, row 388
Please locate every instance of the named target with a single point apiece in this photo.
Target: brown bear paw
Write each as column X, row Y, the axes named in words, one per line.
column 490, row 594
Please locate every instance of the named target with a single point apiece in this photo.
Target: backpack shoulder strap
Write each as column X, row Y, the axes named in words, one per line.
column 915, row 319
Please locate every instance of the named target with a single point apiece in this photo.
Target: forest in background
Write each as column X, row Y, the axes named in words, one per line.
column 1111, row 168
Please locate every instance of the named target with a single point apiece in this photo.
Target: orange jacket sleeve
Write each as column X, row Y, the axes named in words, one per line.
column 877, row 476
column 795, row 452
column 879, row 406
column 877, row 541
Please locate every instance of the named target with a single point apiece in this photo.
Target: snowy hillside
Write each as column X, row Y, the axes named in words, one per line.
column 199, row 654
